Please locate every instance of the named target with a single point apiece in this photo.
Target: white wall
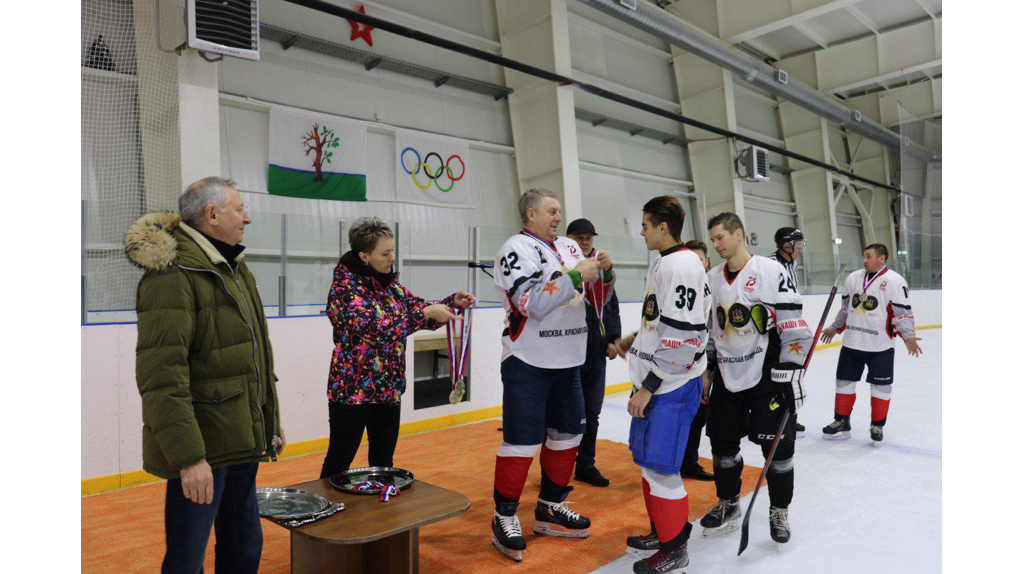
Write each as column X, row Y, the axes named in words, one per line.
column 112, row 411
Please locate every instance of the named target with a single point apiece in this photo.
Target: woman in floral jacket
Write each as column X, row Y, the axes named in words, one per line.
column 372, row 314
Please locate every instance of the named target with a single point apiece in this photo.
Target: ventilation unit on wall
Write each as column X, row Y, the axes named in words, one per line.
column 227, row 27
column 755, row 160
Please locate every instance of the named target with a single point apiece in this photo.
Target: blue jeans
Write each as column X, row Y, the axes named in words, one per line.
column 234, row 514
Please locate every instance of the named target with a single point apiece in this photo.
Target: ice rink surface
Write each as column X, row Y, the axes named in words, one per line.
column 857, row 507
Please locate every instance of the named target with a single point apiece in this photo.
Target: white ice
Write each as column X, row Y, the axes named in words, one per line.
column 856, row 507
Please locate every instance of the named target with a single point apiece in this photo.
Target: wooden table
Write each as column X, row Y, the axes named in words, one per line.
column 369, row 535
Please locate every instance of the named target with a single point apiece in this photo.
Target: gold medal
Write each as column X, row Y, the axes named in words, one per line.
column 458, row 391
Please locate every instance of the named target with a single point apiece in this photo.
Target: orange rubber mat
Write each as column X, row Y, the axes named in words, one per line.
column 123, row 531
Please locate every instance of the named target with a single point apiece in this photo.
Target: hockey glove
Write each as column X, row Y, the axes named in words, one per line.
column 791, row 376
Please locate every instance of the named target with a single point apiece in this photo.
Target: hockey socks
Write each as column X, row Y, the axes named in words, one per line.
column 510, row 471
column 557, row 458
column 846, row 395
column 669, row 508
column 728, row 469
column 780, row 481
column 880, row 396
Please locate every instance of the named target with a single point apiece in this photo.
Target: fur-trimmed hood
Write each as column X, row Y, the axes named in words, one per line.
column 154, row 242
column 149, row 243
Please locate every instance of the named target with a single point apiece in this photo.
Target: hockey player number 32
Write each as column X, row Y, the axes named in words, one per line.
column 509, row 263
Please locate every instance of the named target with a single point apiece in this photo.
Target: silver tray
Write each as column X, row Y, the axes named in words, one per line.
column 290, row 503
column 347, row 481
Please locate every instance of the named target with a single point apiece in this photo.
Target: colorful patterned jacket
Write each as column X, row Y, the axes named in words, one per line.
column 371, row 322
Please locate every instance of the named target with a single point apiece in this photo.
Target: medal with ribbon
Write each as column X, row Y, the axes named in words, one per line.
column 458, row 353
column 865, row 283
column 596, row 293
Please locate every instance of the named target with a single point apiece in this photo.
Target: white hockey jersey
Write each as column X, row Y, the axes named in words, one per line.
column 758, row 309
column 874, row 310
column 545, row 315
column 670, row 348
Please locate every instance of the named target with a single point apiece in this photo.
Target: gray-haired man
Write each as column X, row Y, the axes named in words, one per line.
column 205, row 370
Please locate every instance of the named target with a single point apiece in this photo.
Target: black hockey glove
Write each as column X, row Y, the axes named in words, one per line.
column 789, row 378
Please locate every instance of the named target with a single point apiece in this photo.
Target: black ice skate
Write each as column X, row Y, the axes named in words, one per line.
column 876, row 433
column 664, row 562
column 800, row 429
column 506, row 533
column 555, row 519
column 643, row 544
column 778, row 523
column 723, row 517
column 837, row 429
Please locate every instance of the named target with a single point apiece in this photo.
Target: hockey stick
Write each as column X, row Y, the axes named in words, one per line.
column 745, row 531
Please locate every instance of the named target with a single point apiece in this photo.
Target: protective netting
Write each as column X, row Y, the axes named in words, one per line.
column 918, row 210
column 130, row 157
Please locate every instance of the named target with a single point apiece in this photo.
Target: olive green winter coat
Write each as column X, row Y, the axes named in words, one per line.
column 204, row 365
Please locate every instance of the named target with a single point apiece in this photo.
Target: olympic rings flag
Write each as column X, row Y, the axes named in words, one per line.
column 316, row 157
column 431, row 170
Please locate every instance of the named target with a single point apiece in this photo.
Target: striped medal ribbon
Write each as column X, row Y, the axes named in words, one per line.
column 597, row 293
column 459, row 357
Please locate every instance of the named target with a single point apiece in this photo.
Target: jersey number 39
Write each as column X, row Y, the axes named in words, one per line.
column 686, row 297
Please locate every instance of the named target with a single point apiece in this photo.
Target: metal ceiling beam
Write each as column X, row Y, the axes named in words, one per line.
column 883, row 79
column 927, row 10
column 789, row 21
column 863, row 19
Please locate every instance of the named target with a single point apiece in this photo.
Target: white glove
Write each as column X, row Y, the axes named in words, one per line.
column 794, row 391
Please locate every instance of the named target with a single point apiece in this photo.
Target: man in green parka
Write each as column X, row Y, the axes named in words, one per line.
column 205, row 371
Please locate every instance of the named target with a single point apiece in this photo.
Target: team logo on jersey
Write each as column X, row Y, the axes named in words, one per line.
column 751, row 283
column 739, row 315
column 550, row 288
column 870, row 303
column 882, row 286
column 855, row 302
column 795, row 348
column 572, row 249
column 720, row 316
column 650, row 310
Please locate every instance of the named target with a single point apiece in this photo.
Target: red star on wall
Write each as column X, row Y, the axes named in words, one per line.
column 360, row 31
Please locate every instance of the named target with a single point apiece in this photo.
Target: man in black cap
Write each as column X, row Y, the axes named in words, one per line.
column 601, row 334
column 789, row 242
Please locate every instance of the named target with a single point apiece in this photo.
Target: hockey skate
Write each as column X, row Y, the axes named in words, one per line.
column 778, row 523
column 664, row 562
column 722, row 518
column 800, row 430
column 643, row 545
column 506, row 533
column 876, row 434
column 555, row 519
column 837, row 429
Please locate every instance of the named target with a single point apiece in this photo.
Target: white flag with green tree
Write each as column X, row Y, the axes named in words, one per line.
column 316, row 157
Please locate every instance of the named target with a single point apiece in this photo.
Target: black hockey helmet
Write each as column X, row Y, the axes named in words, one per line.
column 788, row 235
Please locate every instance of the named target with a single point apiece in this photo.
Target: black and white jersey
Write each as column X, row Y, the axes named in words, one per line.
column 545, row 315
column 875, row 309
column 789, row 266
column 757, row 301
column 670, row 348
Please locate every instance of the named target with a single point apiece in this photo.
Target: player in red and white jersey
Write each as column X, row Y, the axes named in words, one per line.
column 876, row 309
column 541, row 277
column 760, row 341
column 666, row 360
